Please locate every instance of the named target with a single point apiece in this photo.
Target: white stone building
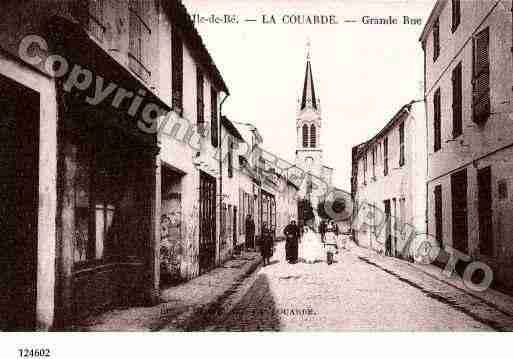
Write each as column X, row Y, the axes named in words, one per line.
column 469, row 100
column 389, row 183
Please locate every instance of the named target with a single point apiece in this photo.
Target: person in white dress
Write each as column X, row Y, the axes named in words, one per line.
column 310, row 246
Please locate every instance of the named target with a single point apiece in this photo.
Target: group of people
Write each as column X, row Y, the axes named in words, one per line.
column 313, row 248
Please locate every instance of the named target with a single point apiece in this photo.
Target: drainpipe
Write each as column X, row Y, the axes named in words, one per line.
column 220, row 144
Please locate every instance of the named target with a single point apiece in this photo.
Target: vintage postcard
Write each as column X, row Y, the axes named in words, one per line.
column 256, row 166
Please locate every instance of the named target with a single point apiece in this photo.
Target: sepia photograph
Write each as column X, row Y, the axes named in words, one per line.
column 238, row 166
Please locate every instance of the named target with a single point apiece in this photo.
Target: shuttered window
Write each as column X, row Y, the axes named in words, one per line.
column 313, row 136
column 230, row 158
column 481, row 77
column 437, row 121
column 213, row 117
column 139, row 38
column 385, row 156
column 436, row 40
column 374, row 149
column 456, row 14
column 200, row 107
column 305, row 136
column 177, row 70
column 365, row 169
column 457, row 119
column 401, row 145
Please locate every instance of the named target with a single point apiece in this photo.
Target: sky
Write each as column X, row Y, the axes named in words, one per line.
column 363, row 73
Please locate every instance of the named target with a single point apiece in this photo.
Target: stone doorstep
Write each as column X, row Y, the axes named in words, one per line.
column 190, row 298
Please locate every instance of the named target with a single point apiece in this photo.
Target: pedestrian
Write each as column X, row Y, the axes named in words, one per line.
column 250, row 232
column 388, row 246
column 291, row 232
column 322, row 229
column 330, row 243
column 266, row 246
column 311, row 246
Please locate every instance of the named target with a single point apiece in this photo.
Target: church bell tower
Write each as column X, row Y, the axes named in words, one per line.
column 309, row 125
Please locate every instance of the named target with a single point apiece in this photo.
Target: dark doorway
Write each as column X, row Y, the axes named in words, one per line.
column 171, row 235
column 235, row 229
column 19, row 168
column 207, row 213
column 459, row 211
column 484, row 183
column 438, row 215
column 388, row 228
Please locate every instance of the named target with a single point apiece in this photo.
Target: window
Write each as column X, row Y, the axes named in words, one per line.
column 457, row 119
column 484, row 185
column 437, row 121
column 230, row 158
column 481, row 77
column 436, row 40
column 385, row 156
column 365, row 169
column 456, row 14
column 503, row 189
column 229, row 222
column 401, row 145
column 89, row 13
column 97, row 195
column 213, row 117
column 242, row 220
column 83, row 248
column 200, row 113
column 246, row 207
column 374, row 149
column 140, row 38
column 223, row 223
column 177, row 70
column 438, row 214
column 305, row 136
column 313, row 136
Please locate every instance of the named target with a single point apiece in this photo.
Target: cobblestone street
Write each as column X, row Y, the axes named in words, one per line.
column 361, row 291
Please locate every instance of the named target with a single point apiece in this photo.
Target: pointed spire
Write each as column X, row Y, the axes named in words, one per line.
column 308, row 99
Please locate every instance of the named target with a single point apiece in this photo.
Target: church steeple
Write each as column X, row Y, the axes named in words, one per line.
column 308, row 98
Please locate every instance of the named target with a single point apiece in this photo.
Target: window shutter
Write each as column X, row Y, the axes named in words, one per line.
column 214, row 119
column 481, row 77
column 199, row 98
column 436, row 40
column 437, row 121
column 457, row 127
column 385, row 156
column 456, row 14
column 177, row 71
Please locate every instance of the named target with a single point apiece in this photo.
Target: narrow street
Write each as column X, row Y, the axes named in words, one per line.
column 355, row 293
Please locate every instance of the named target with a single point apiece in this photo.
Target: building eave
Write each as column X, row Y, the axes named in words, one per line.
column 435, row 13
column 230, row 127
column 180, row 17
column 403, row 111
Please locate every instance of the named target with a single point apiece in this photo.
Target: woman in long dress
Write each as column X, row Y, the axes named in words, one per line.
column 311, row 246
column 330, row 243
